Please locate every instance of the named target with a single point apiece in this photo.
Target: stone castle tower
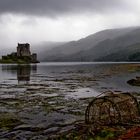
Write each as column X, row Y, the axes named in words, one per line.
column 23, row 50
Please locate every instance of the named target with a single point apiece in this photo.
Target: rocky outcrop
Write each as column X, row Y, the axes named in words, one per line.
column 134, row 82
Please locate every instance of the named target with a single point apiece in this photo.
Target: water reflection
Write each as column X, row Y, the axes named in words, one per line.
column 23, row 72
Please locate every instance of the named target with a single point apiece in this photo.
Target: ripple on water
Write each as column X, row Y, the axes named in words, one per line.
column 44, row 95
column 82, row 93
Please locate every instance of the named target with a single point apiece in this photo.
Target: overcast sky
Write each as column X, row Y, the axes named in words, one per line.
column 34, row 21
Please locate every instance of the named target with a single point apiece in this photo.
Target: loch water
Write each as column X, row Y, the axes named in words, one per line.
column 41, row 100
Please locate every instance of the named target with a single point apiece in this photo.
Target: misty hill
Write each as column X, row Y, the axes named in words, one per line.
column 108, row 45
column 130, row 53
column 42, row 47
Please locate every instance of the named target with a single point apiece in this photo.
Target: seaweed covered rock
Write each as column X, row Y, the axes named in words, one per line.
column 8, row 121
column 134, row 82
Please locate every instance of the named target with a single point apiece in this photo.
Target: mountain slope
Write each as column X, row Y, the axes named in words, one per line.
column 96, row 46
column 131, row 53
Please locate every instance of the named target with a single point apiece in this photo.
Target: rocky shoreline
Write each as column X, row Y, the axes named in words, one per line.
column 49, row 102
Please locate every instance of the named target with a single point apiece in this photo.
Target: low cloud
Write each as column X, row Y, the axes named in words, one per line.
column 54, row 8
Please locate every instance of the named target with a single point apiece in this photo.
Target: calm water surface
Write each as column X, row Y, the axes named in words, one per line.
column 48, row 98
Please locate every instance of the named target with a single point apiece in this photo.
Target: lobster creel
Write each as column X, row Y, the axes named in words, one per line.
column 112, row 109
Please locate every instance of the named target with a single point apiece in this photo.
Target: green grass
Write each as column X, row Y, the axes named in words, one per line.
column 11, row 61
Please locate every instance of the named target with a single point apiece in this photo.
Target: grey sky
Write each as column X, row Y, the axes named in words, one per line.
column 34, row 21
column 58, row 7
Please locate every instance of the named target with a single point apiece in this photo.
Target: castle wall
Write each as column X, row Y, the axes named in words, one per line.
column 34, row 57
